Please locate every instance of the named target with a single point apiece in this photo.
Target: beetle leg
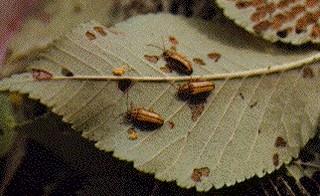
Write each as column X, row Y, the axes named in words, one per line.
column 166, row 69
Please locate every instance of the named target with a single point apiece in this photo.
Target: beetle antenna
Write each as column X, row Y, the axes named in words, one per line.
column 155, row 46
column 164, row 47
column 127, row 101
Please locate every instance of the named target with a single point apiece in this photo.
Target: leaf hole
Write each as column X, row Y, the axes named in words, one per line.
column 1, row 132
column 40, row 74
column 90, row 35
column 282, row 34
column 152, row 59
column 298, row 31
column 280, row 142
column 125, row 85
column 214, row 56
column 66, row 72
column 199, row 61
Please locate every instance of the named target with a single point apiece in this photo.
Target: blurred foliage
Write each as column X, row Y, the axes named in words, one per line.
column 7, row 122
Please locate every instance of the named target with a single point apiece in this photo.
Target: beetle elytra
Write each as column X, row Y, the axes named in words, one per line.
column 195, row 88
column 143, row 118
column 176, row 61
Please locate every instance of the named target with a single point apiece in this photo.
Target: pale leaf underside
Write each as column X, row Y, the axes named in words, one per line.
column 233, row 138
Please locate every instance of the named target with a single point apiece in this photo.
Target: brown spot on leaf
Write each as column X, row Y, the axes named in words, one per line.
column 275, row 159
column 277, row 21
column 307, row 72
column 315, row 32
column 258, row 15
column 296, row 10
column 257, row 3
column 152, row 59
column 198, row 61
column 214, row 56
column 205, row 171
column 280, row 142
column 90, row 35
column 253, row 104
column 100, row 30
column 312, row 3
column 196, row 110
column 306, row 20
column 125, row 85
column 262, row 11
column 173, row 40
column 171, row 124
column 284, row 3
column 261, row 27
column 196, row 175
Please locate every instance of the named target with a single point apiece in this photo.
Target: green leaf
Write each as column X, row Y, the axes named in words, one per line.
column 7, row 122
column 263, row 94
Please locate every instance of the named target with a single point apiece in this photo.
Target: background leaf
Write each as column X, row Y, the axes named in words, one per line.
column 233, row 137
column 293, row 22
column 7, row 122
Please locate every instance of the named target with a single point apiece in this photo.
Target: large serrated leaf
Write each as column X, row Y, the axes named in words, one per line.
column 263, row 109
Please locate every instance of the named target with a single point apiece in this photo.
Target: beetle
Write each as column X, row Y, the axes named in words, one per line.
column 145, row 116
column 195, row 88
column 176, row 61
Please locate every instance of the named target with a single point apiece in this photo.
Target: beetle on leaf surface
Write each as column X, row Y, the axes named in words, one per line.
column 195, row 91
column 144, row 119
column 176, row 61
